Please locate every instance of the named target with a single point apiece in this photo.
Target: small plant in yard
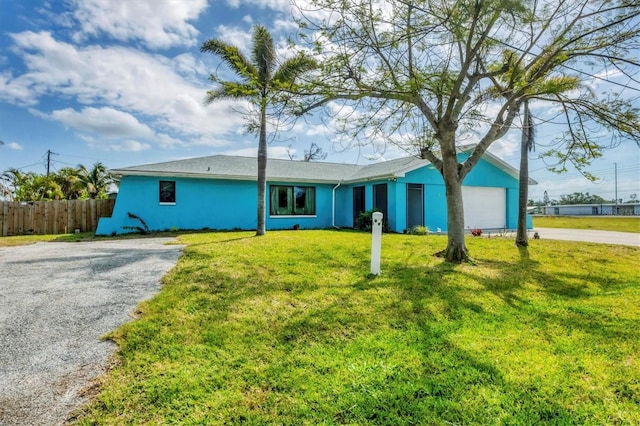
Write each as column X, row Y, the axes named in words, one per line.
column 419, row 230
column 476, row 232
column 142, row 228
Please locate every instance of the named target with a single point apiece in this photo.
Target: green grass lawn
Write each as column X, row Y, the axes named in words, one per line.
column 291, row 329
column 603, row 223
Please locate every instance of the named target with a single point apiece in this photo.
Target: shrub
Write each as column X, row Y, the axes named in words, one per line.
column 419, row 230
column 364, row 220
column 476, row 232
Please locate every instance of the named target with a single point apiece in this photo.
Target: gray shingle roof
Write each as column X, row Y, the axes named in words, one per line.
column 246, row 168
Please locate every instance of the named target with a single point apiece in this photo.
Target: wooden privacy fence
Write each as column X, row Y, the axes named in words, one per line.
column 52, row 217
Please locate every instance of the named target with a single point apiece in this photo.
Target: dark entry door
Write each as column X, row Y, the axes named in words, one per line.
column 380, row 198
column 415, row 205
column 358, row 201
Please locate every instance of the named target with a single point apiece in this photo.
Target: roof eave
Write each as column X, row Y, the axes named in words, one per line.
column 146, row 173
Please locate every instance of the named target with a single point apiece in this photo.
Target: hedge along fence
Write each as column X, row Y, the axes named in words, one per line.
column 52, row 217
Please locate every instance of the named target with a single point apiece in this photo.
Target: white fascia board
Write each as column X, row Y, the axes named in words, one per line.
column 368, row 179
column 177, row 175
column 218, row 177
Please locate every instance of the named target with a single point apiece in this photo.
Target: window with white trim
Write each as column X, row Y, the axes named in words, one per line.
column 292, row 200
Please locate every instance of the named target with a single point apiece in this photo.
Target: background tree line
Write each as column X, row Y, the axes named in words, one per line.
column 68, row 183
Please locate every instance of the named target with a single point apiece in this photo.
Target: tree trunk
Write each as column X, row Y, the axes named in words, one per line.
column 262, row 169
column 522, row 239
column 456, row 250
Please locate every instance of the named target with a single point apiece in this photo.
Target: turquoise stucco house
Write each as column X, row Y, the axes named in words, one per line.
column 219, row 192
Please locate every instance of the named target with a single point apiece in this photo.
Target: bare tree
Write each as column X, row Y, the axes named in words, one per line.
column 314, row 153
column 433, row 75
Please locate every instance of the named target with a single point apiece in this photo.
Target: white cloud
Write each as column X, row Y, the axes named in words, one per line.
column 239, row 37
column 106, row 122
column 14, row 146
column 506, row 147
column 158, row 24
column 127, row 146
column 122, row 78
column 16, row 90
column 190, row 66
column 281, row 5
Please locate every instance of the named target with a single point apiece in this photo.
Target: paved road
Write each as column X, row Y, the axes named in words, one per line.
column 56, row 301
column 587, row 235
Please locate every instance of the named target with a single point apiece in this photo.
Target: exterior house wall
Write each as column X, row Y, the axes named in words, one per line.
column 205, row 203
column 199, row 204
column 231, row 204
column 435, row 206
column 435, row 202
column 344, row 206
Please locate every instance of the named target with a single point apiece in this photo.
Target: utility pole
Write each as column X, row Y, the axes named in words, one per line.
column 49, row 160
column 615, row 165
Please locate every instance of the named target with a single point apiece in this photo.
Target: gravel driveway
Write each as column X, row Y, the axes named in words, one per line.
column 56, row 301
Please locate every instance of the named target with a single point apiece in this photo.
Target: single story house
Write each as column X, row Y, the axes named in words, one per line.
column 220, row 192
column 607, row 209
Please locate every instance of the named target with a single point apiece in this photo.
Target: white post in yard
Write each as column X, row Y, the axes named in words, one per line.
column 376, row 239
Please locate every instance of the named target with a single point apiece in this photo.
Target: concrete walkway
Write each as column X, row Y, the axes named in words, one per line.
column 588, row 235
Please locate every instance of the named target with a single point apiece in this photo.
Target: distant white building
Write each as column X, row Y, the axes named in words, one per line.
column 593, row 210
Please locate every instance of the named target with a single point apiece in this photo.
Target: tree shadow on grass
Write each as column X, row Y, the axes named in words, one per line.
column 390, row 349
column 442, row 382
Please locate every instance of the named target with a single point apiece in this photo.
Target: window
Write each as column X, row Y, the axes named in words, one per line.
column 167, row 192
column 293, row 200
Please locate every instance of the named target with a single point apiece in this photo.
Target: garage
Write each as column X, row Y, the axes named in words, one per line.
column 484, row 207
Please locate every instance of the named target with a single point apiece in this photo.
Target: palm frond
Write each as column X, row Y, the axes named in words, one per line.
column 294, row 67
column 230, row 90
column 232, row 57
column 263, row 53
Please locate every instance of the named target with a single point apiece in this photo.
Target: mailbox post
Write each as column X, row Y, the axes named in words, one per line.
column 376, row 242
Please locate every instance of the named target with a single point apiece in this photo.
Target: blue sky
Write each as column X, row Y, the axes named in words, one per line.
column 122, row 82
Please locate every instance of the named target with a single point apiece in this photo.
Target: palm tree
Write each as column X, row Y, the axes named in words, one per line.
column 260, row 83
column 70, row 183
column 527, row 144
column 14, row 179
column 96, row 180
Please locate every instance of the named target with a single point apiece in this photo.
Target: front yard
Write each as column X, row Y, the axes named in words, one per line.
column 290, row 329
column 602, row 223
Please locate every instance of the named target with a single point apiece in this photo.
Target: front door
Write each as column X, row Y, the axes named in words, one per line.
column 415, row 205
column 380, row 199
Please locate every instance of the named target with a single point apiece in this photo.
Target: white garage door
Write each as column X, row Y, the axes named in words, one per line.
column 484, row 207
